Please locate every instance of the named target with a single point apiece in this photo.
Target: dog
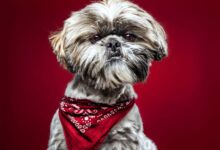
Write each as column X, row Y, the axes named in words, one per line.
column 109, row 45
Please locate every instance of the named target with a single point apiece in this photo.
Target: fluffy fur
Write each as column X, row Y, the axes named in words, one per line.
column 109, row 45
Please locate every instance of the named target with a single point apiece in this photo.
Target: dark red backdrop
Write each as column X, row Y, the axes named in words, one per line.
column 179, row 103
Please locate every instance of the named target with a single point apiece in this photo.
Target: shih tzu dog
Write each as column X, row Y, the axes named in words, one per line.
column 109, row 45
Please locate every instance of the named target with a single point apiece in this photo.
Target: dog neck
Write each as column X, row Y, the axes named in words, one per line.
column 79, row 89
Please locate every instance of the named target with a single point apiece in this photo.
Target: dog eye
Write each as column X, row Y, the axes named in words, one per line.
column 130, row 37
column 95, row 38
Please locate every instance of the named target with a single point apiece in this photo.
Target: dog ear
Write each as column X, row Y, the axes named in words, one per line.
column 57, row 41
column 159, row 42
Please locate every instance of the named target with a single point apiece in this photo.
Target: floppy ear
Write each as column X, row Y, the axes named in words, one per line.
column 160, row 41
column 57, row 41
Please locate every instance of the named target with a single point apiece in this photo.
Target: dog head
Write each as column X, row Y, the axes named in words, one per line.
column 110, row 43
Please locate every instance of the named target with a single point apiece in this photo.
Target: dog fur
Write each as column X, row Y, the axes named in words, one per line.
column 106, row 76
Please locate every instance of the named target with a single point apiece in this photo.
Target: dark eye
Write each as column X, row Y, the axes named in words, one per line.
column 130, row 37
column 95, row 38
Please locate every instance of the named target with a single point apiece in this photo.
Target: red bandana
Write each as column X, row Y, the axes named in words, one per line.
column 86, row 124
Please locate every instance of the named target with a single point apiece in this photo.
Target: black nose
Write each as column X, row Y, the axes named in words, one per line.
column 113, row 45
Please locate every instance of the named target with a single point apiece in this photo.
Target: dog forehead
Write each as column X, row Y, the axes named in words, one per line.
column 106, row 17
column 108, row 14
column 116, row 12
column 110, row 11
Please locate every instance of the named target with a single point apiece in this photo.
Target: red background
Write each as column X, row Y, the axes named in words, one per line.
column 179, row 103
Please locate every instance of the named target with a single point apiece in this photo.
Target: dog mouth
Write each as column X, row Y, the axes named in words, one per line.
column 115, row 56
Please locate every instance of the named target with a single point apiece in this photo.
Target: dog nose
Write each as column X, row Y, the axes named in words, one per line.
column 113, row 45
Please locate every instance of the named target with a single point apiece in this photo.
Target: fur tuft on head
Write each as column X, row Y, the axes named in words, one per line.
column 113, row 1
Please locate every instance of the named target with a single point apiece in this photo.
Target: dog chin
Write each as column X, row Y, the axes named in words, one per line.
column 114, row 59
column 114, row 74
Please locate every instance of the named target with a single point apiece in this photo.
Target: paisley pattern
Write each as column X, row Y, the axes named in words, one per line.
column 88, row 122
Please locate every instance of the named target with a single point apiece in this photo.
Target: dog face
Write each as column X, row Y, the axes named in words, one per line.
column 110, row 43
